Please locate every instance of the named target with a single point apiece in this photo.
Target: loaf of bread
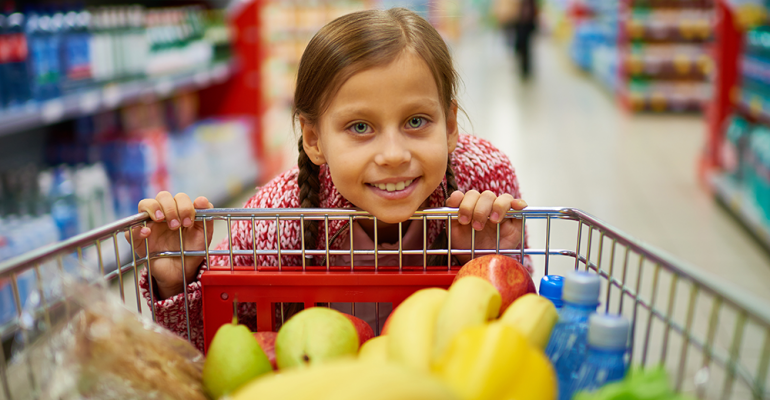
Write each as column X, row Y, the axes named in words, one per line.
column 106, row 351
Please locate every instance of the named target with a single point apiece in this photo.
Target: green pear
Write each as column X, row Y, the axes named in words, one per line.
column 315, row 336
column 234, row 359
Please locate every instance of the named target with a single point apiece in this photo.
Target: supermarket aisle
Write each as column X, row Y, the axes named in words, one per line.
column 573, row 146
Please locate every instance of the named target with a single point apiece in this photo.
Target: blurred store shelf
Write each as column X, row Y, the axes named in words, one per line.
column 111, row 96
column 742, row 206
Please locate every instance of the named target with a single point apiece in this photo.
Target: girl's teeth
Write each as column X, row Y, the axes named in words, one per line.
column 392, row 187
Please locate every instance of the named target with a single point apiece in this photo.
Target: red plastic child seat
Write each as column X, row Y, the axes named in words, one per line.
column 268, row 286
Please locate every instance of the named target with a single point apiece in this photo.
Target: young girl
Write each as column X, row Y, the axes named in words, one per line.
column 376, row 103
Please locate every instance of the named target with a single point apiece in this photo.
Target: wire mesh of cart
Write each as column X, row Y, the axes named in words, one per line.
column 713, row 338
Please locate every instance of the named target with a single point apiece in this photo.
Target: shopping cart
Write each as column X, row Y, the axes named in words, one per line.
column 713, row 338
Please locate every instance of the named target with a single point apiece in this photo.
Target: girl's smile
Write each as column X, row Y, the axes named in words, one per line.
column 394, row 189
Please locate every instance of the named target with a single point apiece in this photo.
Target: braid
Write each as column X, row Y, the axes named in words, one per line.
column 450, row 177
column 309, row 189
column 442, row 241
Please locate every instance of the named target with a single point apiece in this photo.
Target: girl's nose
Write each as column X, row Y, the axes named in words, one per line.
column 392, row 150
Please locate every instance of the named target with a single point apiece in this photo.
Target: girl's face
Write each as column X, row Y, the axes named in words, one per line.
column 385, row 137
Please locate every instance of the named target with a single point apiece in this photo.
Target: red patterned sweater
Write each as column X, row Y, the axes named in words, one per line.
column 477, row 165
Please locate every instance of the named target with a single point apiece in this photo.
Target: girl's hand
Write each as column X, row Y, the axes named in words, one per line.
column 169, row 214
column 482, row 212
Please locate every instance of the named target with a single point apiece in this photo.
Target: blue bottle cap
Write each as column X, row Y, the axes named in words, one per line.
column 551, row 287
column 582, row 288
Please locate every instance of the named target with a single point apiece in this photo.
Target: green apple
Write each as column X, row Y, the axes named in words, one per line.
column 314, row 336
column 234, row 359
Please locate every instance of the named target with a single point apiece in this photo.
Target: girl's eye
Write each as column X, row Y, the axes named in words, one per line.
column 360, row 127
column 416, row 122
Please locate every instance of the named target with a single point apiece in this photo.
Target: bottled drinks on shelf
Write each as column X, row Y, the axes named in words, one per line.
column 14, row 56
column 64, row 203
column 567, row 346
column 47, row 54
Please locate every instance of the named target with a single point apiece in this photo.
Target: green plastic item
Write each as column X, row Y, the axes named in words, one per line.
column 639, row 384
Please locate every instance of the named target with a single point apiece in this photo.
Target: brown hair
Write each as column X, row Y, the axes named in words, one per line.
column 350, row 44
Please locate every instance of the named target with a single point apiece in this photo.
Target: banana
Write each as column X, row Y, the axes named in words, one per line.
column 412, row 329
column 496, row 361
column 470, row 301
column 346, row 379
column 374, row 349
column 390, row 382
column 299, row 383
column 534, row 316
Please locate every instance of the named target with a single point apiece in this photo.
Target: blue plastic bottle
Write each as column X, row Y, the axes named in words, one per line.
column 551, row 288
column 606, row 358
column 15, row 69
column 567, row 347
column 75, row 54
column 64, row 206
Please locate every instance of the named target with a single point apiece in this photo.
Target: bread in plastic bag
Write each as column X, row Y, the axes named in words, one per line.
column 105, row 351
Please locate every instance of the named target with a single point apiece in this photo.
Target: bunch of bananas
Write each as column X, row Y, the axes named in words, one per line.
column 456, row 336
column 439, row 344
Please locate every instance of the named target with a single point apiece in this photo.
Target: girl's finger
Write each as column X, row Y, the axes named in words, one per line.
column 168, row 206
column 466, row 207
column 482, row 209
column 518, row 204
column 500, row 207
column 202, row 203
column 455, row 199
column 186, row 210
column 152, row 207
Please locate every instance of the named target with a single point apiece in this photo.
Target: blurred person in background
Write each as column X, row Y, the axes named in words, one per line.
column 518, row 20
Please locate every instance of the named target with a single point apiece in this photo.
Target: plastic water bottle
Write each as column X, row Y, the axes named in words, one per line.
column 567, row 347
column 605, row 361
column 551, row 288
column 64, row 204
column 14, row 66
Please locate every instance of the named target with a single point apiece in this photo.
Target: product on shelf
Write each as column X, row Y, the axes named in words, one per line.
column 656, row 55
column 656, row 23
column 659, row 96
column 47, row 55
column 758, row 172
column 14, row 56
column 666, row 55
column 669, row 61
column 733, row 150
column 594, row 44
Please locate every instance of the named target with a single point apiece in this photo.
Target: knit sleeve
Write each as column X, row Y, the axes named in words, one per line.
column 478, row 165
column 170, row 313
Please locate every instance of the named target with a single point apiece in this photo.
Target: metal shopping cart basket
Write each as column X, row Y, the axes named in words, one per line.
column 713, row 338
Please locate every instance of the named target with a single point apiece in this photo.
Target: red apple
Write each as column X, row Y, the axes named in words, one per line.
column 506, row 274
column 266, row 341
column 363, row 329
